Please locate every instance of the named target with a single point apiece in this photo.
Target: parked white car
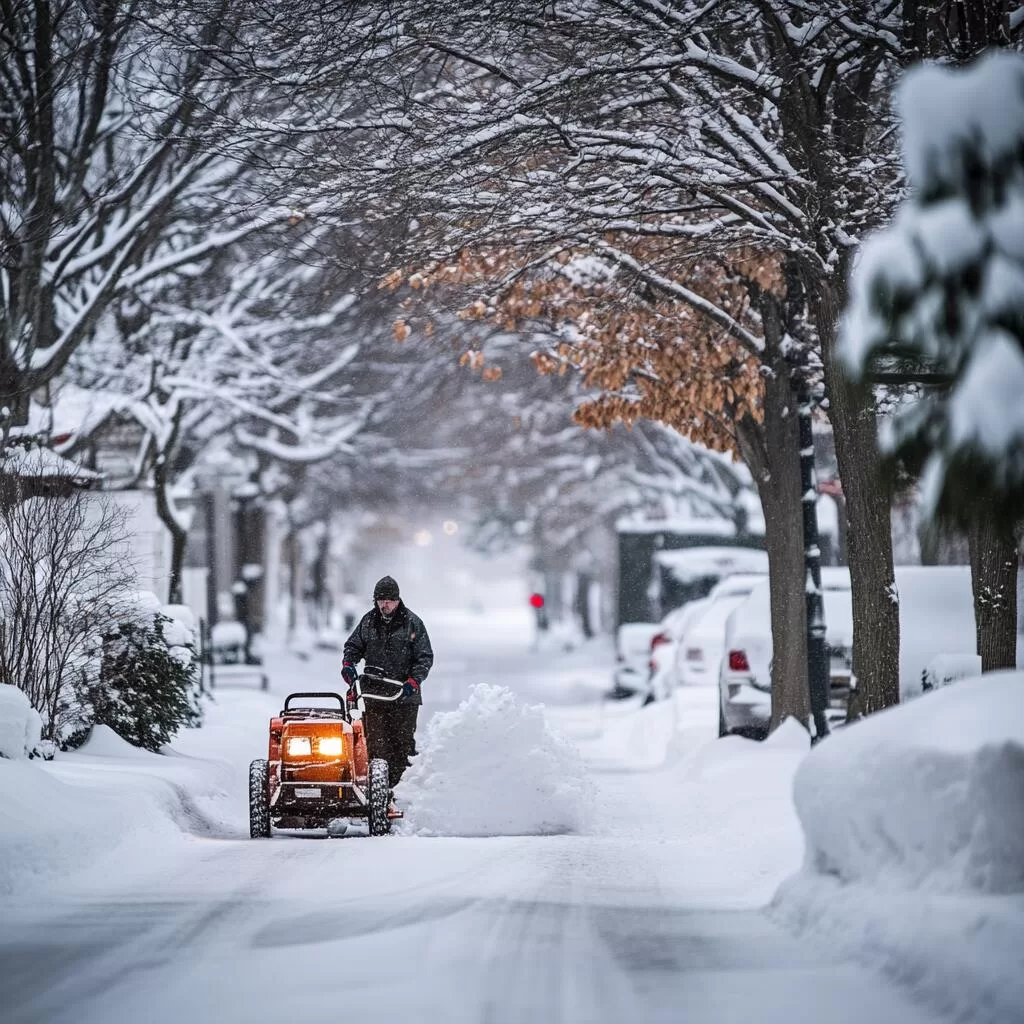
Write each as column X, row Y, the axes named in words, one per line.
column 684, row 575
column 936, row 618
column 632, row 658
column 700, row 646
column 664, row 644
column 745, row 669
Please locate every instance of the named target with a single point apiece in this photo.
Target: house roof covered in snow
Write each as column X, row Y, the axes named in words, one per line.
column 74, row 413
column 43, row 463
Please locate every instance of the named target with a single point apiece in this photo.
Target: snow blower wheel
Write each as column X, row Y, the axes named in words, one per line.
column 378, row 797
column 259, row 800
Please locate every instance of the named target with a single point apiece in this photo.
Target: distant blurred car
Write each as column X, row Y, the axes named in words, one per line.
column 664, row 643
column 684, row 575
column 745, row 669
column 632, row 658
column 702, row 639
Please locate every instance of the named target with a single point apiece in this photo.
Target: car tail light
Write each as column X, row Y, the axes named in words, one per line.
column 658, row 639
column 694, row 654
column 738, row 661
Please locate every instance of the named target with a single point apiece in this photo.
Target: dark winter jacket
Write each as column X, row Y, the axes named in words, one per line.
column 400, row 648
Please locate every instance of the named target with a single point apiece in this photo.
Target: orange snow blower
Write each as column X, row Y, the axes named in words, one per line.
column 317, row 768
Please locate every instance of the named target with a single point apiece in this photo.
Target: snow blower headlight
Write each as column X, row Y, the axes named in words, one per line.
column 298, row 746
column 329, row 746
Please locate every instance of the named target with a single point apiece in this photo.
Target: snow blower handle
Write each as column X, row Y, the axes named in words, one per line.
column 374, row 678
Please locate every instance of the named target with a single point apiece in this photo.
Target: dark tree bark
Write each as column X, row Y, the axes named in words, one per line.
column 771, row 451
column 162, row 484
column 994, row 564
column 876, row 622
column 583, row 584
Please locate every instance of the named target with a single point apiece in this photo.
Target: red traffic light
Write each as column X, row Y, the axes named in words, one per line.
column 536, row 600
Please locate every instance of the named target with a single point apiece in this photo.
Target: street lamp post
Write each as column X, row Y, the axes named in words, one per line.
column 817, row 652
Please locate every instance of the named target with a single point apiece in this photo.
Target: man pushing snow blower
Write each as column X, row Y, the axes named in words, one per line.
column 393, row 642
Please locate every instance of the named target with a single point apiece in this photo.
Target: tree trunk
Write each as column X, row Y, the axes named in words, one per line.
column 771, row 451
column 876, row 622
column 994, row 582
column 294, row 575
column 583, row 583
column 179, row 536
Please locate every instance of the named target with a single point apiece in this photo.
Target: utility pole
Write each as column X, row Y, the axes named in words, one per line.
column 817, row 652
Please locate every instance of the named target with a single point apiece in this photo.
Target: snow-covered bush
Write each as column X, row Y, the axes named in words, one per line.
column 20, row 724
column 146, row 690
column 944, row 286
column 494, row 767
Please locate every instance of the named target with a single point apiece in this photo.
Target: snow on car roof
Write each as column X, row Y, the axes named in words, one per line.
column 737, row 583
column 677, row 524
column 690, row 564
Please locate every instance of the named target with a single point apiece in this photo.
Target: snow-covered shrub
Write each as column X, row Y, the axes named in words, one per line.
column 494, row 767
column 146, row 690
column 943, row 285
column 20, row 724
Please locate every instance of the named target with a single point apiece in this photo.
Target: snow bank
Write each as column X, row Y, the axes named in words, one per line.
column 494, row 767
column 914, row 828
column 104, row 742
column 109, row 809
column 52, row 828
column 20, row 724
column 956, row 818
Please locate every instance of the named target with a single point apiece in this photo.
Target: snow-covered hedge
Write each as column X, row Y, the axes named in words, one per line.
column 494, row 767
column 20, row 724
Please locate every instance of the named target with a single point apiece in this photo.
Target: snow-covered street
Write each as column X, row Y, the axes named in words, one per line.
column 652, row 915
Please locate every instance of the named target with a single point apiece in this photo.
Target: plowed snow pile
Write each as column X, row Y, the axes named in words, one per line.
column 494, row 767
column 914, row 828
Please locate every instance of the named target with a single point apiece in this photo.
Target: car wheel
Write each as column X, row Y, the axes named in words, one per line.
column 723, row 730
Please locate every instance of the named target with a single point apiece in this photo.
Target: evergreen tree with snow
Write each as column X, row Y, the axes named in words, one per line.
column 146, row 692
column 942, row 288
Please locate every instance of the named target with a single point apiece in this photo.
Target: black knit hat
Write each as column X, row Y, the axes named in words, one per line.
column 386, row 590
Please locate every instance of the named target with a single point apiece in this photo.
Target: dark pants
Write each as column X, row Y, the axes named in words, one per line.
column 391, row 734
